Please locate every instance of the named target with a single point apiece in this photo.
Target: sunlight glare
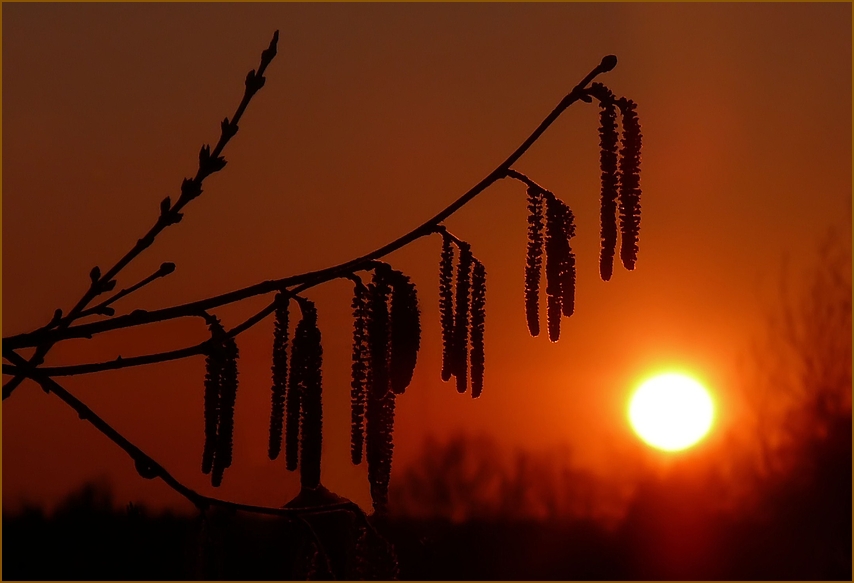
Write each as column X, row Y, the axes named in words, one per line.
column 671, row 412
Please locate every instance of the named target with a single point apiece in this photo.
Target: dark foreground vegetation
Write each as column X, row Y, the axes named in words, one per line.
column 798, row 528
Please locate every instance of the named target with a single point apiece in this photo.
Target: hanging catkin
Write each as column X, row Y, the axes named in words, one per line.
column 380, row 410
column 405, row 331
column 213, row 372
column 228, row 397
column 629, row 183
column 280, row 375
column 555, row 263
column 311, row 395
column 461, row 318
column 293, row 398
column 446, row 303
column 360, row 370
column 478, row 317
column 534, row 260
column 382, row 473
column 608, row 165
column 567, row 282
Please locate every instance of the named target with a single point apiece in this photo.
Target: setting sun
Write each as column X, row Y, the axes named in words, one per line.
column 671, row 412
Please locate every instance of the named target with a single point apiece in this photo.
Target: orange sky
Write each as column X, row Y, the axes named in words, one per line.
column 373, row 118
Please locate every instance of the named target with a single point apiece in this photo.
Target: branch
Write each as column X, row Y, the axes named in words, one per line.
column 443, row 230
column 150, row 469
column 103, row 307
column 119, row 362
column 140, row 317
column 209, row 162
column 527, row 181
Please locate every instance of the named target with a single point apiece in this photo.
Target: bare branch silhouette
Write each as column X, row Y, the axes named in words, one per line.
column 316, row 277
column 209, row 162
column 387, row 331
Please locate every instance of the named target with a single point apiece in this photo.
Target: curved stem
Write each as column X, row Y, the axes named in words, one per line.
column 119, row 362
column 152, row 469
column 526, row 181
column 140, row 317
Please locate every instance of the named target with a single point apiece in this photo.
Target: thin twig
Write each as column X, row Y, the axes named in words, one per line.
column 443, row 230
column 209, row 162
column 527, row 181
column 151, row 469
column 164, row 270
column 314, row 277
column 120, row 362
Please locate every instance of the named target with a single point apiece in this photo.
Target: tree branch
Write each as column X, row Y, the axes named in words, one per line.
column 120, row 362
column 103, row 308
column 150, row 469
column 525, row 180
column 209, row 162
column 140, row 317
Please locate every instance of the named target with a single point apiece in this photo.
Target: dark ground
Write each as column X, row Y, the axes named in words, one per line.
column 797, row 528
column 811, row 539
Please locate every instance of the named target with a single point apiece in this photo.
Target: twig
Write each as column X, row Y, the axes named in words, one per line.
column 120, row 362
column 103, row 308
column 154, row 358
column 209, row 162
column 323, row 275
column 443, row 230
column 527, row 181
column 150, row 469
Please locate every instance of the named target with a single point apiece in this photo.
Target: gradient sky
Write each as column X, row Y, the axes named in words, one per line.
column 373, row 118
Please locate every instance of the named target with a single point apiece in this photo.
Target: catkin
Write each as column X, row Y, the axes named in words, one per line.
column 360, row 372
column 311, row 401
column 293, row 398
column 405, row 331
column 381, row 475
column 608, row 165
column 213, row 372
column 380, row 410
column 478, row 317
column 567, row 281
column 228, row 397
column 446, row 304
column 534, row 260
column 461, row 318
column 280, row 375
column 555, row 262
column 630, row 190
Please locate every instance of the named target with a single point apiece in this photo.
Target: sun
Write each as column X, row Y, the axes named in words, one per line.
column 671, row 412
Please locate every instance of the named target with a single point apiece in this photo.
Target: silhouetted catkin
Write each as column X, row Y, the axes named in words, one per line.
column 228, row 397
column 630, row 190
column 534, row 261
column 311, row 398
column 567, row 282
column 293, row 398
column 446, row 304
column 213, row 372
column 280, row 375
column 608, row 165
column 380, row 476
column 380, row 410
column 555, row 263
column 360, row 371
column 478, row 318
column 405, row 331
column 461, row 318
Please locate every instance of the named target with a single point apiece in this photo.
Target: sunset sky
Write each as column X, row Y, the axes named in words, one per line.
column 373, row 118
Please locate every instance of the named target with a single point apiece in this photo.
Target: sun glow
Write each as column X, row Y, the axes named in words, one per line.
column 671, row 412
